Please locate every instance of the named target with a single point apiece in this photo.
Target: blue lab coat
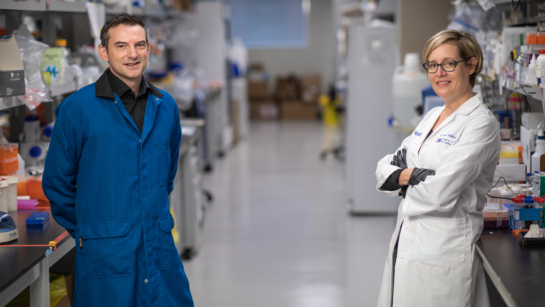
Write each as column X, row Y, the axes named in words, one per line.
column 108, row 185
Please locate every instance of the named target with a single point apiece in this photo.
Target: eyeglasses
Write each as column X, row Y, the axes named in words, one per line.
column 447, row 66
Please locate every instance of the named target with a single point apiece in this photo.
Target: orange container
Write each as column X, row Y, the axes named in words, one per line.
column 541, row 38
column 8, row 166
column 9, row 151
column 21, row 188
column 531, row 38
column 35, row 190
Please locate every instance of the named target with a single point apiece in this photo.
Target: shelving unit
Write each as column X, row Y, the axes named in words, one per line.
column 63, row 89
column 29, row 5
column 531, row 91
column 64, row 6
column 79, row 7
column 9, row 103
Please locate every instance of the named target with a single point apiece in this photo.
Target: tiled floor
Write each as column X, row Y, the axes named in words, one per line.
column 278, row 233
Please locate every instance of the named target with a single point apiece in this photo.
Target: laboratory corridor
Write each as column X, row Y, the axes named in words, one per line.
column 278, row 232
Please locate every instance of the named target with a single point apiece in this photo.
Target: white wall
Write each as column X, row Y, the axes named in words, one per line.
column 318, row 58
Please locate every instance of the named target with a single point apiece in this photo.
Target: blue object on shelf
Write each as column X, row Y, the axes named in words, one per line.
column 37, row 219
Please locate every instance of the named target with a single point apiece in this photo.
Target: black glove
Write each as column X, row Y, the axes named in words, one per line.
column 400, row 159
column 419, row 174
column 404, row 191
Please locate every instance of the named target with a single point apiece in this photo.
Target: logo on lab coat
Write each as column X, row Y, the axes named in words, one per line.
column 417, row 133
column 446, row 138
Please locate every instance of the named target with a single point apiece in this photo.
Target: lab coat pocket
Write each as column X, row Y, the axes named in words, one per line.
column 169, row 258
column 106, row 249
column 164, row 165
column 440, row 242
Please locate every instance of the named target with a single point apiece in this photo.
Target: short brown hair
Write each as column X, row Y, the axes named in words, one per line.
column 468, row 47
column 120, row 19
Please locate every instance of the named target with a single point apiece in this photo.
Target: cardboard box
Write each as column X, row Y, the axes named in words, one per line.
column 287, row 88
column 311, row 88
column 258, row 90
column 12, row 71
column 264, row 110
column 183, row 5
column 298, row 110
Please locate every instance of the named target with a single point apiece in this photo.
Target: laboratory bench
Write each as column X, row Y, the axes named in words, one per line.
column 23, row 266
column 515, row 275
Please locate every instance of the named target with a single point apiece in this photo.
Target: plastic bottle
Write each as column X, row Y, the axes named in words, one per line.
column 520, row 65
column 529, row 202
column 540, row 150
column 408, row 81
column 539, row 65
column 518, row 202
column 531, row 80
column 531, row 41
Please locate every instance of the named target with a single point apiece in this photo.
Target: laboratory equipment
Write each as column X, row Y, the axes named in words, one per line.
column 8, row 158
column 27, row 203
column 38, row 219
column 12, row 73
column 539, row 152
column 4, row 205
column 430, row 100
column 372, row 60
column 407, row 84
column 511, row 173
column 33, row 150
column 531, row 78
column 520, row 65
column 509, row 156
column 11, row 191
column 8, row 229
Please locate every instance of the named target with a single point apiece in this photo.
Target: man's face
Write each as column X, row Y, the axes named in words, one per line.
column 127, row 52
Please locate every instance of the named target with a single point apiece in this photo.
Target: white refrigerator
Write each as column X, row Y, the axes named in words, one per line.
column 372, row 58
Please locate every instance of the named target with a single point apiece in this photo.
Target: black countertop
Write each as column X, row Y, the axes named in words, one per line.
column 521, row 270
column 15, row 261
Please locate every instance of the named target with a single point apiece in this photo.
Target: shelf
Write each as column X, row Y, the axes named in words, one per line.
column 63, row 89
column 10, row 102
column 532, row 91
column 28, row 5
column 65, row 6
column 155, row 13
column 177, row 13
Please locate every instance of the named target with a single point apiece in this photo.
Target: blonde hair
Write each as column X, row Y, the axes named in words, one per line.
column 468, row 47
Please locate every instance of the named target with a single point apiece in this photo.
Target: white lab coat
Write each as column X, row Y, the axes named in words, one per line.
column 442, row 218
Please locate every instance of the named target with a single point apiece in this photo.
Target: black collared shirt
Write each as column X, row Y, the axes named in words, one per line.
column 135, row 105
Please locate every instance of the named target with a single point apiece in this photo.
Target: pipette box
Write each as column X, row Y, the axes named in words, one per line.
column 37, row 219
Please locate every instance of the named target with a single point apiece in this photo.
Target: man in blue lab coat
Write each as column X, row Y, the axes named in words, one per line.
column 110, row 168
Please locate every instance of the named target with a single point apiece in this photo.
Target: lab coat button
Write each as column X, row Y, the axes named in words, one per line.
column 157, row 99
column 401, row 255
column 146, row 281
column 140, row 140
column 405, row 226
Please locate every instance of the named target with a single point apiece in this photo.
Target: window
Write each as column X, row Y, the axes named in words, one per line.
column 271, row 23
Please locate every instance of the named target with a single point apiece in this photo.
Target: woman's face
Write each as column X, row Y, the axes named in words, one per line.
column 450, row 85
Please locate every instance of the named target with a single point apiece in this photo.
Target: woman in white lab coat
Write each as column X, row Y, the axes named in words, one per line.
column 443, row 171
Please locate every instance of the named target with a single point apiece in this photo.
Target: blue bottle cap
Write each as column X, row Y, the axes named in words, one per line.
column 35, row 152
